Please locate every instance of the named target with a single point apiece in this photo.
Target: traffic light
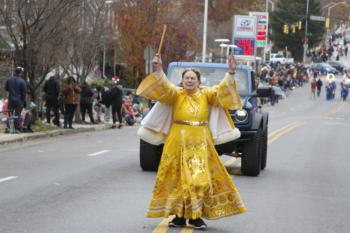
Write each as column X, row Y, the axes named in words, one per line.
column 293, row 28
column 285, row 29
column 300, row 25
column 327, row 23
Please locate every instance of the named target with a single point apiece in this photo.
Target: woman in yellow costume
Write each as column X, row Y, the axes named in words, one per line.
column 192, row 182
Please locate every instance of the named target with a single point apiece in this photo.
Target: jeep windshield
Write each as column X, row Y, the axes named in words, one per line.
column 211, row 76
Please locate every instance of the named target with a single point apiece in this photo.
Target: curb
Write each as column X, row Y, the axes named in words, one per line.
column 54, row 133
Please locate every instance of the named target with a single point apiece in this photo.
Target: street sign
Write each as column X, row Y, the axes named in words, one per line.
column 317, row 18
column 148, row 55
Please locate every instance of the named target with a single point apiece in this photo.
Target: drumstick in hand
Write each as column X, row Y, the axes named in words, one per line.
column 162, row 39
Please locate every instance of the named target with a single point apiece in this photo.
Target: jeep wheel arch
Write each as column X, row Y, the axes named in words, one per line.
column 258, row 117
column 263, row 148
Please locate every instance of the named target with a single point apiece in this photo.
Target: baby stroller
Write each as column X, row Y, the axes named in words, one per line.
column 25, row 121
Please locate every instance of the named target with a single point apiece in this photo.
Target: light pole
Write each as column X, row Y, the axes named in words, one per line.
column 205, row 20
column 222, row 45
column 306, row 25
column 107, row 13
column 228, row 46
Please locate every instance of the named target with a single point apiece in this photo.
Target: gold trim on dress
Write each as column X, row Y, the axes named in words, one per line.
column 191, row 123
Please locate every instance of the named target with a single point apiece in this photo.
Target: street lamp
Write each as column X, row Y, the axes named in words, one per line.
column 228, row 46
column 267, row 5
column 222, row 46
column 333, row 5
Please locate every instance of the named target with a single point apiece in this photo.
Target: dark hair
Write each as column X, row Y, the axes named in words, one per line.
column 19, row 70
column 70, row 79
column 198, row 74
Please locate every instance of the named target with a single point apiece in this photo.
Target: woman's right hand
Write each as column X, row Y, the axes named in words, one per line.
column 157, row 62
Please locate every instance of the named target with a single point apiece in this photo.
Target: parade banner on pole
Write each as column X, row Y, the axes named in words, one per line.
column 262, row 27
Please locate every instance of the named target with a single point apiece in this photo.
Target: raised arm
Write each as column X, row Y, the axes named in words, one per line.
column 225, row 94
column 156, row 86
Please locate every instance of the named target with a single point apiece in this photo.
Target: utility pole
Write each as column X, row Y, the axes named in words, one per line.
column 306, row 28
column 204, row 49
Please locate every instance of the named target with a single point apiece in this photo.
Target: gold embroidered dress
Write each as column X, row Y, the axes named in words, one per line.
column 192, row 181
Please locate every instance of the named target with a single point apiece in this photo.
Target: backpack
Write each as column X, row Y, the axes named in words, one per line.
column 313, row 85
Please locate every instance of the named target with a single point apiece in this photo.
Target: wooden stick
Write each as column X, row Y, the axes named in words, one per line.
column 162, row 39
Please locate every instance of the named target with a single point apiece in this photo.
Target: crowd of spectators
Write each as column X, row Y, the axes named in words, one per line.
column 64, row 104
column 283, row 78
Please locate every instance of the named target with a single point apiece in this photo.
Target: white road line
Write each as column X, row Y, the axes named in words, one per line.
column 8, row 178
column 98, row 153
column 133, row 150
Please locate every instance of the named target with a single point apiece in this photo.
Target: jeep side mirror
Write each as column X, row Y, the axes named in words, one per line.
column 264, row 92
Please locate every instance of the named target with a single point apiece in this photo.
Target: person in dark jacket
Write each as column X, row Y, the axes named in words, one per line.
column 52, row 91
column 86, row 100
column 17, row 89
column 71, row 92
column 319, row 84
column 116, row 96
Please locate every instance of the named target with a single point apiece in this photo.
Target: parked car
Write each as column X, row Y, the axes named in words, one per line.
column 323, row 68
column 252, row 121
column 337, row 65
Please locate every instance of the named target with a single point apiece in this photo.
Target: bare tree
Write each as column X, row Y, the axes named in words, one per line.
column 86, row 35
column 37, row 32
column 140, row 23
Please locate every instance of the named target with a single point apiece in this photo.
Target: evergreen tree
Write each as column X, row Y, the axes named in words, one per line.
column 290, row 13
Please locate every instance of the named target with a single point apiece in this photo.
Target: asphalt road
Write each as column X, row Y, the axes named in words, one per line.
column 92, row 182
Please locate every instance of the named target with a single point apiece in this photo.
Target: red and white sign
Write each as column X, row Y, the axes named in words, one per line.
column 262, row 27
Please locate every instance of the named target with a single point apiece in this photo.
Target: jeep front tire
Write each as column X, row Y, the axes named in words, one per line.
column 251, row 159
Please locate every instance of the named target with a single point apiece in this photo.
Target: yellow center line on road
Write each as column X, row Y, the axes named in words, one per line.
column 277, row 131
column 332, row 111
column 186, row 230
column 163, row 225
column 337, row 109
column 275, row 135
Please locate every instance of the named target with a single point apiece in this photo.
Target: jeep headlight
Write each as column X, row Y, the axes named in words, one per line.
column 241, row 116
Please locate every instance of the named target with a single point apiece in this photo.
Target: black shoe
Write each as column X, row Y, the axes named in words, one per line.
column 177, row 222
column 197, row 224
column 119, row 126
column 71, row 127
column 113, row 126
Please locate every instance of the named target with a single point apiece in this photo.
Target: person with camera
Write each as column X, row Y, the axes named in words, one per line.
column 71, row 91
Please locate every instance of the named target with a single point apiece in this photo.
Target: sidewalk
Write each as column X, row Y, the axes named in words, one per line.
column 6, row 138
